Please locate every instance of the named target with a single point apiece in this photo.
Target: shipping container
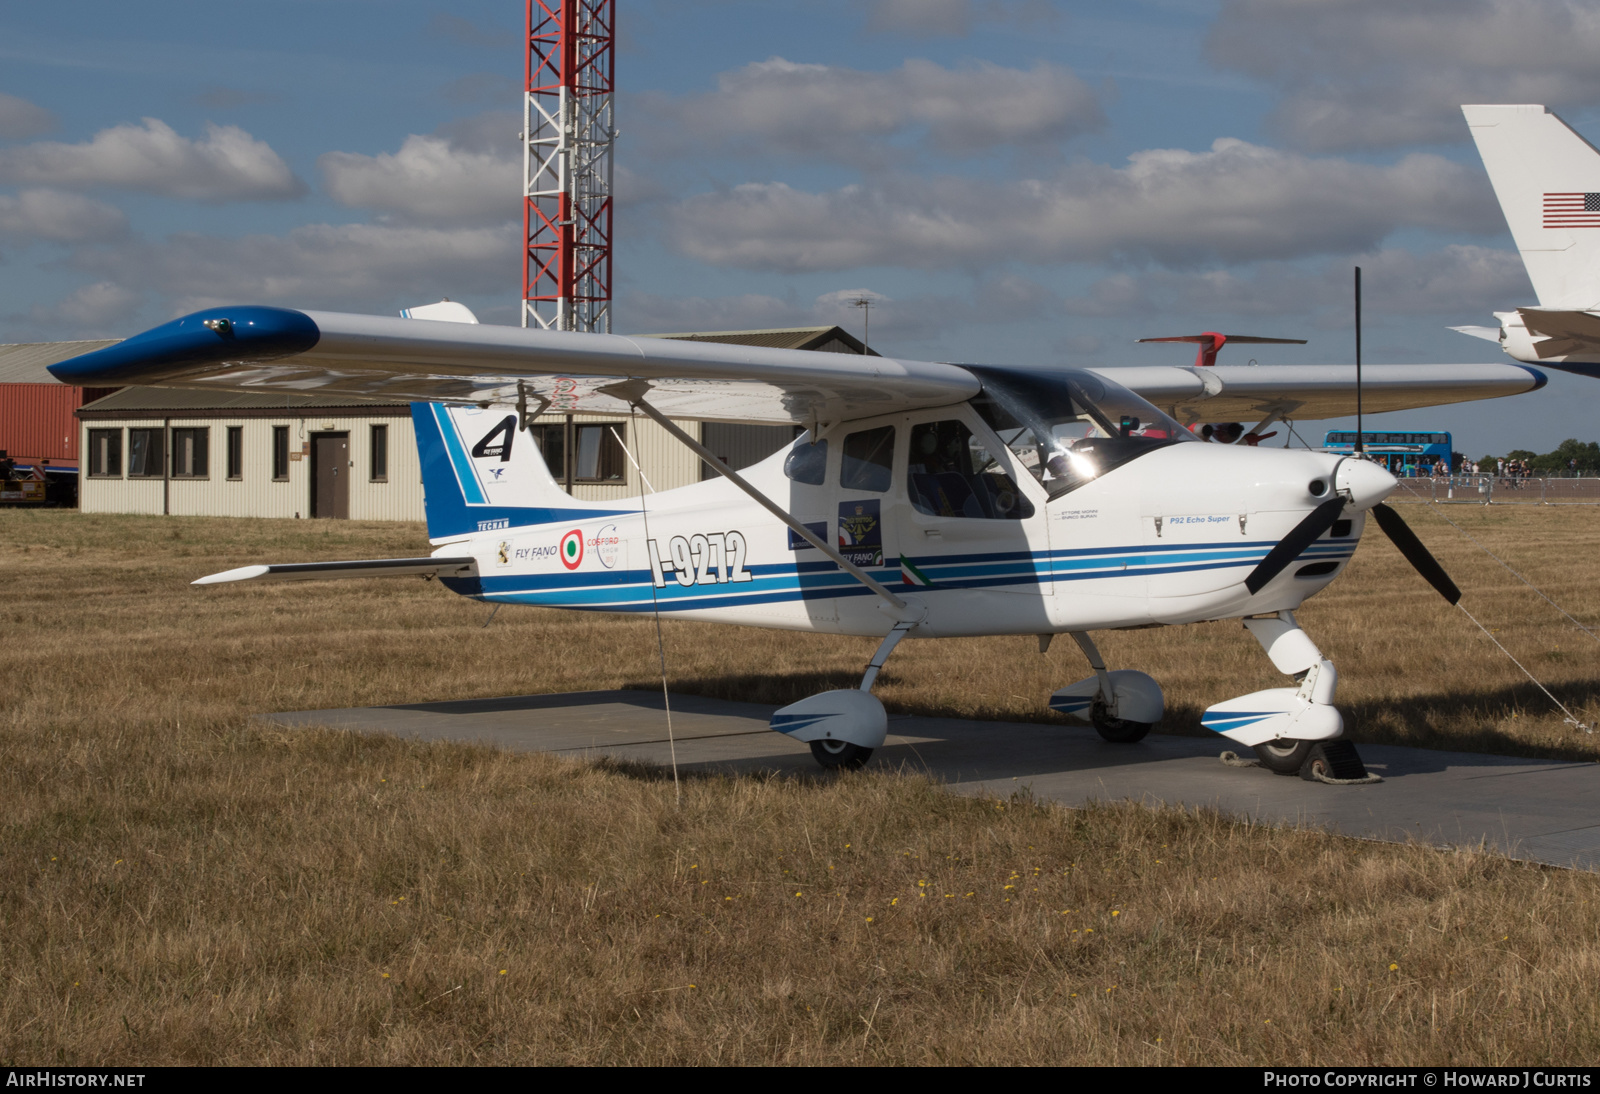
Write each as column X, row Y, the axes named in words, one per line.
column 36, row 422
column 36, row 412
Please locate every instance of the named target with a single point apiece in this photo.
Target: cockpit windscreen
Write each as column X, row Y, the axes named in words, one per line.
column 1070, row 426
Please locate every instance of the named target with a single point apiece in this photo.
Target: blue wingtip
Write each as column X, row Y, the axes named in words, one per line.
column 1539, row 378
column 194, row 342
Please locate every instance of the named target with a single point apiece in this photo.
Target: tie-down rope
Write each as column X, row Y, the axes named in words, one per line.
column 655, row 607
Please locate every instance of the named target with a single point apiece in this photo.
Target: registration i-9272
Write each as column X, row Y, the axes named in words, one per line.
column 705, row 558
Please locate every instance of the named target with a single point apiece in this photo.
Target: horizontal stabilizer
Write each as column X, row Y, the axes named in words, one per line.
column 1562, row 332
column 1210, row 342
column 1241, row 339
column 328, row 571
column 1488, row 334
column 445, row 311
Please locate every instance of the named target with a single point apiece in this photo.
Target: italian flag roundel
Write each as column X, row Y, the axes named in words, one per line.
column 572, row 549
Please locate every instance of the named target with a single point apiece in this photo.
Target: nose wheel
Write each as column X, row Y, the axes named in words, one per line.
column 1284, row 756
column 840, row 755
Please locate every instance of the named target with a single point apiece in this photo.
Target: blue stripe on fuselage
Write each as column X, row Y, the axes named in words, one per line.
column 630, row 590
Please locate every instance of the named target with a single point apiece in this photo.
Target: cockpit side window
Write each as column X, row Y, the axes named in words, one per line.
column 950, row 473
column 868, row 462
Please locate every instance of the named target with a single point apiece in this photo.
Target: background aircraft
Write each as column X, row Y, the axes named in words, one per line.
column 1547, row 178
column 923, row 500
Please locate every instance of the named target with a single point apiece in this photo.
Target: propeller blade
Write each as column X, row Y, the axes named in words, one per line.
column 1289, row 548
column 1400, row 533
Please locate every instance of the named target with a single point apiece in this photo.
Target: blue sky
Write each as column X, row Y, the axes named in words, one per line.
column 1011, row 180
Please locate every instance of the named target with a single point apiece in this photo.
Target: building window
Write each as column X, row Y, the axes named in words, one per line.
column 146, row 453
column 378, row 461
column 598, row 453
column 189, row 453
column 280, row 453
column 236, row 452
column 552, row 442
column 105, row 453
column 582, row 452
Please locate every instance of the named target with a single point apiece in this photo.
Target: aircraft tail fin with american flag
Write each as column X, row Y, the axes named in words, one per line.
column 1547, row 178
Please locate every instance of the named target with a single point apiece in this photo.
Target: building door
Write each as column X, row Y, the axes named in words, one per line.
column 330, row 475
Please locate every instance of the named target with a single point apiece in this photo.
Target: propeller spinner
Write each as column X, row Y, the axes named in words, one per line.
column 1360, row 480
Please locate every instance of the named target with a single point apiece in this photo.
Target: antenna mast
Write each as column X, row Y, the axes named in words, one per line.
column 569, row 133
column 1360, row 447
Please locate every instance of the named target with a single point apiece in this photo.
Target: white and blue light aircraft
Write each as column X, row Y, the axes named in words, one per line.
column 922, row 500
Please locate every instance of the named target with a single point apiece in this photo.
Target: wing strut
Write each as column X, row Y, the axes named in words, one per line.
column 633, row 391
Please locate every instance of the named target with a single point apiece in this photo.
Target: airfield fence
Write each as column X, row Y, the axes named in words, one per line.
column 1500, row 490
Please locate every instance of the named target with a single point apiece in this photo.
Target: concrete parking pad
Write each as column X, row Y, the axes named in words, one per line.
column 1531, row 809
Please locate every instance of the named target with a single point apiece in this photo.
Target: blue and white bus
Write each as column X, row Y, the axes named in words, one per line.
column 1406, row 453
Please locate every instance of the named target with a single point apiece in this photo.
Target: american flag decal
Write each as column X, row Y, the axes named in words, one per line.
column 1572, row 210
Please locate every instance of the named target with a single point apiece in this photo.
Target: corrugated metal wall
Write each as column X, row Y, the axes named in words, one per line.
column 743, row 445
column 666, row 463
column 255, row 493
column 36, row 421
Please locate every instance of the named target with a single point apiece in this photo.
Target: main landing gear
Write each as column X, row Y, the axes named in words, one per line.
column 1122, row 705
column 844, row 727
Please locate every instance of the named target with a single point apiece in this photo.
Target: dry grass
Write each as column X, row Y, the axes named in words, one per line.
column 177, row 886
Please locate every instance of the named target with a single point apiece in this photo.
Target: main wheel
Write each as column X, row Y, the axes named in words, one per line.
column 1119, row 731
column 1284, row 756
column 840, row 754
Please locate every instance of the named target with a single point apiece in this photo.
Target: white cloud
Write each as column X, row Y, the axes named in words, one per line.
column 97, row 307
column 19, row 118
column 428, row 180
column 897, row 321
column 1235, row 203
column 227, row 165
column 652, row 313
column 360, row 267
column 848, row 115
column 59, row 217
column 1456, row 280
column 1386, row 73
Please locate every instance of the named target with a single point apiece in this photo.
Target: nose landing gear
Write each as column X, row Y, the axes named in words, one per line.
column 1293, row 731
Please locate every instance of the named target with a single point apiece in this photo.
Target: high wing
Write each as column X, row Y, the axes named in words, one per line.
column 382, row 359
column 1312, row 392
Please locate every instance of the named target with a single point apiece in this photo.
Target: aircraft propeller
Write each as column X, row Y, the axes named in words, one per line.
column 1320, row 519
column 1290, row 547
column 1401, row 535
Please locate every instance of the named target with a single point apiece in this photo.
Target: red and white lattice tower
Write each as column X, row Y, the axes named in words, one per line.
column 567, row 161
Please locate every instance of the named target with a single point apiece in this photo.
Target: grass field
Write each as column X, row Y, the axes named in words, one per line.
column 177, row 885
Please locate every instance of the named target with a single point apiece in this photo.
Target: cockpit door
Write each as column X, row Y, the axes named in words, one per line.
column 968, row 519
